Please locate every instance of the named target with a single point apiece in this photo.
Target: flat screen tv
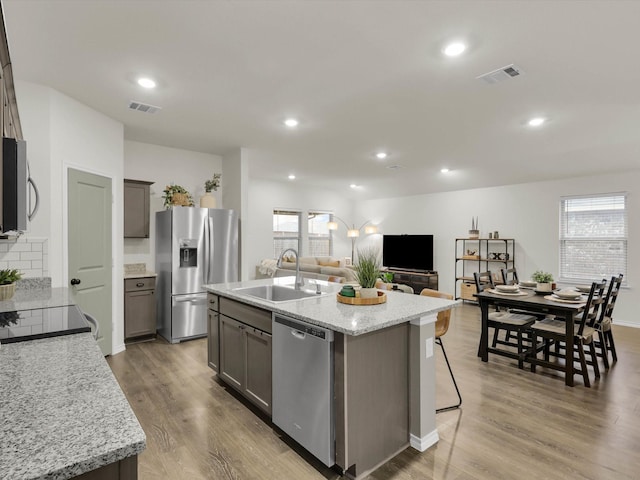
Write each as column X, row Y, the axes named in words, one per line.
column 408, row 252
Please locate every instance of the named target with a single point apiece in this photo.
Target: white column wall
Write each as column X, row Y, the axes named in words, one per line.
column 529, row 213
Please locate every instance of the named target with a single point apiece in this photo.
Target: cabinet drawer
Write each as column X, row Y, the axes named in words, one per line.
column 135, row 284
column 256, row 317
column 213, row 302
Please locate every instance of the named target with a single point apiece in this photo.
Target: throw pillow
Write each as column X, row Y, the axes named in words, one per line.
column 335, row 263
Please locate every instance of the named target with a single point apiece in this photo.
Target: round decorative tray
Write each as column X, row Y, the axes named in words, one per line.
column 382, row 298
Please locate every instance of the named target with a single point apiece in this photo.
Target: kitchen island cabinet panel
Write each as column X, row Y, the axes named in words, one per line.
column 259, row 368
column 232, row 362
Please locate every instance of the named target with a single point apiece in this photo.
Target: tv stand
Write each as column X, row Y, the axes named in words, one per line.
column 416, row 280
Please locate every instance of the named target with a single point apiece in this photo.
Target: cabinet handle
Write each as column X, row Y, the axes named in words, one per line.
column 140, row 284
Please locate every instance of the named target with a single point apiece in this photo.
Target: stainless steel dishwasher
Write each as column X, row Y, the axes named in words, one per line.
column 303, row 385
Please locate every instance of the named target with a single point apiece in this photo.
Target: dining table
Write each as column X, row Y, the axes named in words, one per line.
column 530, row 301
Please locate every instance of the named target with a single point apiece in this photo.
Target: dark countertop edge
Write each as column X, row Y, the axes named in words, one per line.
column 39, row 336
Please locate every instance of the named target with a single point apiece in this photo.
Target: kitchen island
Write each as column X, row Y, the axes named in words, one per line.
column 384, row 370
column 62, row 412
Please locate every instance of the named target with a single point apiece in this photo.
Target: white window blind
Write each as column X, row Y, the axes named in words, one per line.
column 286, row 231
column 319, row 235
column 593, row 237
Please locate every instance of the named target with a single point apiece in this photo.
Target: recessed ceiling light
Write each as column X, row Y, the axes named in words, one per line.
column 353, row 185
column 444, row 170
column 292, row 177
column 146, row 82
column 536, row 121
column 291, row 122
column 381, row 155
column 454, row 49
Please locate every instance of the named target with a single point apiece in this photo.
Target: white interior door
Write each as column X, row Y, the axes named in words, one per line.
column 89, row 244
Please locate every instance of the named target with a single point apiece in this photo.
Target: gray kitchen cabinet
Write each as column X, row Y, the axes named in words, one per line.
column 245, row 351
column 213, row 332
column 139, row 307
column 136, row 208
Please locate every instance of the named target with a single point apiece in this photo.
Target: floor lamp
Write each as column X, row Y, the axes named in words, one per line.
column 352, row 232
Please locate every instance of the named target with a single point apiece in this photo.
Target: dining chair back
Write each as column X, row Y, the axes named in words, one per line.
column 603, row 325
column 442, row 326
column 554, row 331
column 509, row 276
column 507, row 322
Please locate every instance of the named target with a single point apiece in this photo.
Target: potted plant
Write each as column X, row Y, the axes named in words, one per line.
column 208, row 200
column 543, row 280
column 8, row 280
column 176, row 195
column 367, row 270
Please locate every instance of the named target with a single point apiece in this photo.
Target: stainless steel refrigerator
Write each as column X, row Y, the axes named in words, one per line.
column 194, row 247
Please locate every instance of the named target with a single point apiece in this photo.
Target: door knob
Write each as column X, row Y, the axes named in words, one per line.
column 75, row 281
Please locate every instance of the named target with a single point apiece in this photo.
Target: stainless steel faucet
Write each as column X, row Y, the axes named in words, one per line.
column 299, row 283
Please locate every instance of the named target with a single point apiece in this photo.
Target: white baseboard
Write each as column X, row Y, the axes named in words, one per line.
column 421, row 444
column 118, row 349
column 625, row 324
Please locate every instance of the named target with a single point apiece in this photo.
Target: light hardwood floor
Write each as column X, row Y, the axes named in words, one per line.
column 513, row 424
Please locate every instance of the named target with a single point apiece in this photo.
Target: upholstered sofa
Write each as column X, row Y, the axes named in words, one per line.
column 321, row 268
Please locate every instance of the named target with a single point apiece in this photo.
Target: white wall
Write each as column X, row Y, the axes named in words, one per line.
column 236, row 169
column 528, row 213
column 164, row 166
column 62, row 133
column 265, row 196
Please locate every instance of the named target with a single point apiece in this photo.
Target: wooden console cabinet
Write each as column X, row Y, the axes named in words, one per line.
column 416, row 280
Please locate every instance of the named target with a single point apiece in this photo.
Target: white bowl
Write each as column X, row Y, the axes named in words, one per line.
column 508, row 288
column 583, row 288
column 568, row 294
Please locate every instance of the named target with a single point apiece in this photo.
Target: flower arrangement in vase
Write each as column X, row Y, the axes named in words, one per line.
column 208, row 200
column 474, row 233
column 176, row 195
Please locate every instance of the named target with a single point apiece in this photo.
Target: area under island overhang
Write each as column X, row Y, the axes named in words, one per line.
column 383, row 365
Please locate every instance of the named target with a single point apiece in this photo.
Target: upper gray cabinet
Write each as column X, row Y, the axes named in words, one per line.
column 136, row 208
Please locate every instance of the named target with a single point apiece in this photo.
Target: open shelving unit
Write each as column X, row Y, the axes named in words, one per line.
column 490, row 254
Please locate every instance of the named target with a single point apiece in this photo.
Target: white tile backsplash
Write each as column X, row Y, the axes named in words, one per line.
column 27, row 254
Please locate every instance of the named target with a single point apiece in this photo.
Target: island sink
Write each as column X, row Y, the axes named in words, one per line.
column 276, row 293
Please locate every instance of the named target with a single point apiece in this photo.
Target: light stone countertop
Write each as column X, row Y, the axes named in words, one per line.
column 63, row 412
column 32, row 298
column 325, row 311
column 145, row 274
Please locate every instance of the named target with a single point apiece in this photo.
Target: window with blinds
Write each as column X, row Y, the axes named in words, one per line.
column 319, row 235
column 593, row 237
column 286, row 231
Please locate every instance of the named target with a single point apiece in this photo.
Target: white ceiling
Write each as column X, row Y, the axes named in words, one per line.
column 361, row 76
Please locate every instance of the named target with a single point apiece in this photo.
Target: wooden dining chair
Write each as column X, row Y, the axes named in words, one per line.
column 509, row 276
column 442, row 326
column 507, row 321
column 605, row 341
column 554, row 331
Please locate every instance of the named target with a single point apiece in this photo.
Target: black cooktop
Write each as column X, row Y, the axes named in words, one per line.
column 22, row 325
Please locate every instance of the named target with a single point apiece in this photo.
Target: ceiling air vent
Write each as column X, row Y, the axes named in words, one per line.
column 143, row 107
column 503, row 73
